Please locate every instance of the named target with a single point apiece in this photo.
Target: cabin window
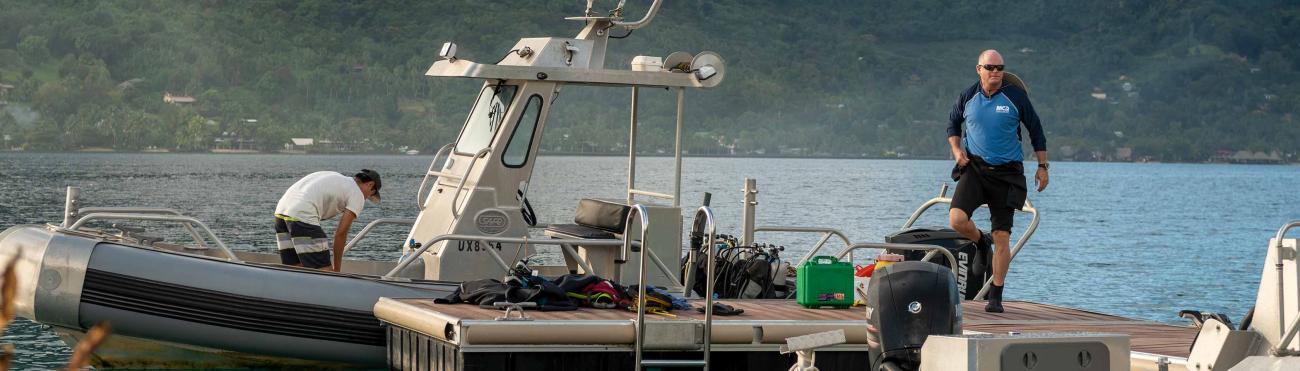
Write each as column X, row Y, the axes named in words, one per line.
column 516, row 154
column 485, row 118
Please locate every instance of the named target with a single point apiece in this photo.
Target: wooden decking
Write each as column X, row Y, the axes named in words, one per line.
column 1024, row 317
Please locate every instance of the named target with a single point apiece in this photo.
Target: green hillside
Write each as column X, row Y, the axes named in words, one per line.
column 1166, row 81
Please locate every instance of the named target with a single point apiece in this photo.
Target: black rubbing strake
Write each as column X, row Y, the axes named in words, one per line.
column 221, row 309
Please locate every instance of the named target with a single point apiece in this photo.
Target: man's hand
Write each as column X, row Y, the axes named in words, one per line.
column 1040, row 178
column 961, row 158
column 959, row 154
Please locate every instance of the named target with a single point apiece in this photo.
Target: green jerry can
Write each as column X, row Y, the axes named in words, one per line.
column 824, row 281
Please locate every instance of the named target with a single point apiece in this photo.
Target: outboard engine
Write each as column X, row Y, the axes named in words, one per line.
column 906, row 303
column 974, row 262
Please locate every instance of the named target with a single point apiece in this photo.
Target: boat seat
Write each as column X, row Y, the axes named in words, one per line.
column 578, row 231
column 594, row 219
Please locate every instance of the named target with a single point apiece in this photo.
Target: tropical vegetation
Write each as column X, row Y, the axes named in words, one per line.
column 1177, row 80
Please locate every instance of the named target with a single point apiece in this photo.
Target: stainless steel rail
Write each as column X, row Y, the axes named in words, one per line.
column 677, row 147
column 1287, row 333
column 632, row 137
column 638, row 213
column 374, row 223
column 649, row 15
column 952, row 262
column 1020, row 243
column 455, row 198
column 633, row 192
column 419, row 192
column 147, row 210
column 157, row 217
column 705, row 214
column 516, row 240
column 826, row 236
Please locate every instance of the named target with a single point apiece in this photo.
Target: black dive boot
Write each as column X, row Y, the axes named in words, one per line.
column 986, row 242
column 995, row 299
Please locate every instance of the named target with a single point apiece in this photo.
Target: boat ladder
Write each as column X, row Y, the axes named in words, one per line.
column 703, row 220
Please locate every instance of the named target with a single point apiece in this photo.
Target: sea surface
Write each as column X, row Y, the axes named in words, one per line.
column 1136, row 240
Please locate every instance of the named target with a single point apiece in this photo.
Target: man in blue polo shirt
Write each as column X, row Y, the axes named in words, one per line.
column 989, row 157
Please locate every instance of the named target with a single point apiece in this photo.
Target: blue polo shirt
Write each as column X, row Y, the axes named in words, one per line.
column 993, row 123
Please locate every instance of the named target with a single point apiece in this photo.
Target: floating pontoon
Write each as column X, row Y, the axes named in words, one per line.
column 199, row 304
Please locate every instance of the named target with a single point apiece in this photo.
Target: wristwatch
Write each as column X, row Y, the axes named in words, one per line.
column 1043, row 165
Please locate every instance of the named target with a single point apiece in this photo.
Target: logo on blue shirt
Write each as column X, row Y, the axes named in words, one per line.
column 1004, row 109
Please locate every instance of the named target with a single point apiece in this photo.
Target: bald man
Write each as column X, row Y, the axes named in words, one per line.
column 989, row 167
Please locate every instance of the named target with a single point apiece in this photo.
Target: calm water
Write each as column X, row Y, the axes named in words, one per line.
column 1138, row 240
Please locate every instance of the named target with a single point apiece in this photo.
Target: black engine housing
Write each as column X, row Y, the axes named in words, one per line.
column 906, row 303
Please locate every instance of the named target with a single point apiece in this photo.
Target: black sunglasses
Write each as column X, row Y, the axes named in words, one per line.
column 993, row 67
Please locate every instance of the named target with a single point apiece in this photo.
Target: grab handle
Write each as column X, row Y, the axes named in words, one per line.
column 419, row 193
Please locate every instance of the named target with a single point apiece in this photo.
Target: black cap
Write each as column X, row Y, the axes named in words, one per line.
column 367, row 175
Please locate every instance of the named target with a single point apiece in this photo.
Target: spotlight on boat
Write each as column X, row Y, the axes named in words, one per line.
column 705, row 72
column 448, row 51
column 709, row 68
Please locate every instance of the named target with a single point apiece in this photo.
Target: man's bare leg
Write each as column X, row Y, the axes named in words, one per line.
column 1001, row 256
column 961, row 223
column 1001, row 262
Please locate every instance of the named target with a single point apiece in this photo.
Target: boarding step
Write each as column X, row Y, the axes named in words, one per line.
column 673, row 363
column 673, row 335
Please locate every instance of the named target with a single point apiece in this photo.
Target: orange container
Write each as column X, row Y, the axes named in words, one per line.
column 885, row 259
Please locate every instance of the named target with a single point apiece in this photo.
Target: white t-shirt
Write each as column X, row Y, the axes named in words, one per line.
column 320, row 196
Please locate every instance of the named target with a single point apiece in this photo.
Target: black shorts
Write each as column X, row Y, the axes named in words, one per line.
column 1002, row 187
column 302, row 243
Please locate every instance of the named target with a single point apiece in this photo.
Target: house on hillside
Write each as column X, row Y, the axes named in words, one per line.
column 1248, row 157
column 232, row 142
column 298, row 145
column 177, row 99
column 1124, row 154
column 327, row 145
column 4, row 93
column 128, row 84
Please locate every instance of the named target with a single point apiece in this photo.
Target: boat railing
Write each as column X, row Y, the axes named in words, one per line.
column 419, row 192
column 827, row 233
column 702, row 215
column 1287, row 332
column 933, row 249
column 374, row 223
column 148, row 210
column 184, row 220
column 455, row 209
column 850, row 247
column 409, row 258
column 635, row 192
column 645, row 20
column 1020, row 243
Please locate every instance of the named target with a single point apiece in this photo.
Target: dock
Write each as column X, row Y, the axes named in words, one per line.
column 1153, row 338
column 427, row 336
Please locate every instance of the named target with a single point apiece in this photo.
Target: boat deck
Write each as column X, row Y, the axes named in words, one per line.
column 764, row 322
